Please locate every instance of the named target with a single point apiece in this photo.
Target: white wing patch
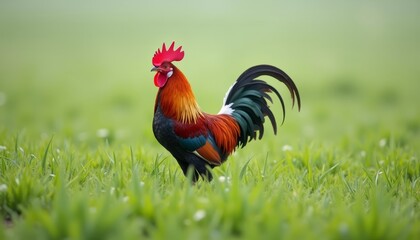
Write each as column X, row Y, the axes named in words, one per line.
column 226, row 109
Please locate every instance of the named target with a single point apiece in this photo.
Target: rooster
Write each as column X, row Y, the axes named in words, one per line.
column 200, row 141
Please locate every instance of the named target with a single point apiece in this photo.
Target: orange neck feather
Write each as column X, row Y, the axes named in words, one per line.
column 177, row 100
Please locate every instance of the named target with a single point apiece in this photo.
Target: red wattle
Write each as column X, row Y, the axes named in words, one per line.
column 160, row 79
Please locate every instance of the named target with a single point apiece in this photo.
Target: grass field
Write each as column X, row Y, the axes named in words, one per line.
column 78, row 159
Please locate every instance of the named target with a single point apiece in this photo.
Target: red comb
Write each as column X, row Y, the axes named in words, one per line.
column 167, row 55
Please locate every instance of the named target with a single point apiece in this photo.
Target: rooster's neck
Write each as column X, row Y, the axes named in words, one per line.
column 177, row 100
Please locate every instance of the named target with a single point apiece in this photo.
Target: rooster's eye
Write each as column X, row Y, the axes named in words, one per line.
column 166, row 67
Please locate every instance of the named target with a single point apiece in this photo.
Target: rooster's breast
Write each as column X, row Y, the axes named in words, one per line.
column 163, row 130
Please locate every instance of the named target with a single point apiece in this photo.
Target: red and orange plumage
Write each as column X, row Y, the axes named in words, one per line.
column 200, row 140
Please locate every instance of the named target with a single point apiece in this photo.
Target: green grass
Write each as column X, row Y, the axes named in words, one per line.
column 78, row 159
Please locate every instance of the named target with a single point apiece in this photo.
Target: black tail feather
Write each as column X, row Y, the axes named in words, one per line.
column 249, row 96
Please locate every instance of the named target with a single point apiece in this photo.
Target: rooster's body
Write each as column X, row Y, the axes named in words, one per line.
column 199, row 140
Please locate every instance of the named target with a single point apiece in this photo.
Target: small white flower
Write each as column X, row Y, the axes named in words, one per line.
column 382, row 142
column 223, row 179
column 2, row 148
column 3, row 187
column 199, row 215
column 286, row 148
column 102, row 133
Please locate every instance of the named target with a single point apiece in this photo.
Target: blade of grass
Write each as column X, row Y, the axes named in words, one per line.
column 44, row 157
column 244, row 168
column 328, row 171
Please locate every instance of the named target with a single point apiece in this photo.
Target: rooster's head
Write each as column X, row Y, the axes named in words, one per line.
column 162, row 63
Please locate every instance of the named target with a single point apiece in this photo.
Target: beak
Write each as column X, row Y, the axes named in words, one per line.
column 154, row 69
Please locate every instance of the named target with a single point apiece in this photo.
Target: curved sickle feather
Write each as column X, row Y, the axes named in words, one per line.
column 248, row 99
column 260, row 70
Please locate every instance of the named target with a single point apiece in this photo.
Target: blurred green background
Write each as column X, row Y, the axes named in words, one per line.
column 76, row 73
column 80, row 69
